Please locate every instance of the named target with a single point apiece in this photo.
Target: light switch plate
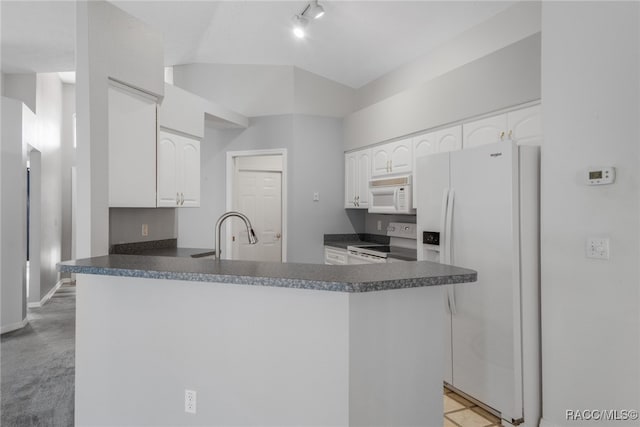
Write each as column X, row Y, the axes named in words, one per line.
column 598, row 248
column 316, row 196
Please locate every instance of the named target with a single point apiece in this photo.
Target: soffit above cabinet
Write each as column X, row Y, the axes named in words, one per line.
column 186, row 112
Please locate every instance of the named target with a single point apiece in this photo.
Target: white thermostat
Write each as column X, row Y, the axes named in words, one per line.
column 601, row 176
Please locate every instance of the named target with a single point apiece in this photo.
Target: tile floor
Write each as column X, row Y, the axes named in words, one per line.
column 459, row 412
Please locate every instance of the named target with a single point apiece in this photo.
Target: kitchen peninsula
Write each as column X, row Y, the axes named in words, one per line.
column 261, row 343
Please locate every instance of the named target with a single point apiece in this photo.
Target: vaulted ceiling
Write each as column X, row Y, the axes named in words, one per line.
column 354, row 43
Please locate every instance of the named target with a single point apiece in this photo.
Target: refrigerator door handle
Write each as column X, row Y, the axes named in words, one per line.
column 449, row 249
column 443, row 226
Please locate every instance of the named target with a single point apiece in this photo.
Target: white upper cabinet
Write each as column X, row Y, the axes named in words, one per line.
column 525, row 125
column 381, row 158
column 449, row 139
column 394, row 157
column 521, row 126
column 357, row 175
column 178, row 171
column 132, row 148
column 350, row 180
column 485, row 131
column 364, row 175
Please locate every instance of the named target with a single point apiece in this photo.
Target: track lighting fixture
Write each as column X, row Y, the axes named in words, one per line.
column 312, row 10
column 299, row 24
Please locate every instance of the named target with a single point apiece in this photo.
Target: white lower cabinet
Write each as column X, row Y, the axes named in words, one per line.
column 178, row 178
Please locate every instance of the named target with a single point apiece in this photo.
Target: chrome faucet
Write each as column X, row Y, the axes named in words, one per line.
column 217, row 235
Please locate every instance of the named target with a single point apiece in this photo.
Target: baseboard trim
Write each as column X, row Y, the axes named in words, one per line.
column 14, row 326
column 49, row 294
column 544, row 423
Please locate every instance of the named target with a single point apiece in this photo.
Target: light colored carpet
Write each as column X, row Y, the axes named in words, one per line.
column 38, row 366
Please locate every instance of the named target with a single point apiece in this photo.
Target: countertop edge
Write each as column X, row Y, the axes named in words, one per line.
column 351, row 287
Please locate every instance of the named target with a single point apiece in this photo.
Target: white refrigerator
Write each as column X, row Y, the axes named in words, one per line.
column 479, row 209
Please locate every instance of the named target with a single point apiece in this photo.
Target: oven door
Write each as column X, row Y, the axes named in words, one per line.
column 383, row 200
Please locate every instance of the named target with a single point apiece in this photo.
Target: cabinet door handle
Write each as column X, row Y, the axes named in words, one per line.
column 511, row 134
column 390, row 165
column 502, row 136
column 178, row 199
column 181, row 199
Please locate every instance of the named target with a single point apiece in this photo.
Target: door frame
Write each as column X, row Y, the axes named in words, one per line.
column 231, row 156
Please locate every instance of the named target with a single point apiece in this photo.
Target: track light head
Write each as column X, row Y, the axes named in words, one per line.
column 316, row 11
column 299, row 24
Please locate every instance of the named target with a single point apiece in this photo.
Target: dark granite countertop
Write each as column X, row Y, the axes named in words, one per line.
column 176, row 252
column 339, row 278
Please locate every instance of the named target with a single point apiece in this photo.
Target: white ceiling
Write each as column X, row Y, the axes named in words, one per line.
column 354, row 43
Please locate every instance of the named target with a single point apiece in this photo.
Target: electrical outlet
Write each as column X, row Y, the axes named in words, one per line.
column 145, row 229
column 598, row 248
column 379, row 225
column 316, row 196
column 190, row 401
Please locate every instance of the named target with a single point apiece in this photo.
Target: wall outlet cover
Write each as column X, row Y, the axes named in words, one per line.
column 190, row 401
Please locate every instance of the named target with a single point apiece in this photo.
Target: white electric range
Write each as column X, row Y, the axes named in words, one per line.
column 401, row 247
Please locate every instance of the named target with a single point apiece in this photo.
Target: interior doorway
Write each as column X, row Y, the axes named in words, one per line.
column 256, row 186
column 34, row 162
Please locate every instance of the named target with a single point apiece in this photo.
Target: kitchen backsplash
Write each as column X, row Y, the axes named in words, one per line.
column 125, row 224
column 371, row 222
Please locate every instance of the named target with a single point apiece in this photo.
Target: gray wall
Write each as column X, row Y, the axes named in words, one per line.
column 125, row 224
column 507, row 77
column 22, row 87
column 515, row 23
column 49, row 119
column 13, row 198
column 591, row 112
column 315, row 164
column 68, row 161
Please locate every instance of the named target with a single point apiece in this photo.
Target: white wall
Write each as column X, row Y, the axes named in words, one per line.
column 49, row 123
column 109, row 43
column 266, row 90
column 507, row 77
column 513, row 24
column 591, row 110
column 22, row 87
column 315, row 163
column 13, row 232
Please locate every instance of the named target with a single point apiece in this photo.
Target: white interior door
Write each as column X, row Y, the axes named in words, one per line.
column 485, row 328
column 258, row 194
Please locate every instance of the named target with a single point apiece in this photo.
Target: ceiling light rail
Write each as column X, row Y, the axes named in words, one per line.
column 300, row 21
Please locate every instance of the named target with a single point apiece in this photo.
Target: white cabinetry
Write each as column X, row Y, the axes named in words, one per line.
column 522, row 126
column 449, row 139
column 357, row 173
column 178, row 170
column 132, row 149
column 394, row 157
column 335, row 256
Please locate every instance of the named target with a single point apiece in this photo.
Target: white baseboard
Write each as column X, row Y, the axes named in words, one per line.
column 49, row 294
column 14, row 326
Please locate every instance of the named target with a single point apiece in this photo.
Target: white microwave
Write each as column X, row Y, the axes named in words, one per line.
column 391, row 195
